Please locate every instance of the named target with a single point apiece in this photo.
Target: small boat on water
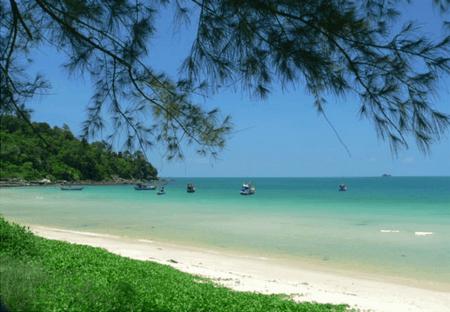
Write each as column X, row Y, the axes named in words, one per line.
column 386, row 175
column 70, row 187
column 190, row 188
column 343, row 188
column 161, row 191
column 144, row 187
column 247, row 189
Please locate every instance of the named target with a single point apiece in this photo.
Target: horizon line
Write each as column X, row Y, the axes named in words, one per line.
column 314, row 177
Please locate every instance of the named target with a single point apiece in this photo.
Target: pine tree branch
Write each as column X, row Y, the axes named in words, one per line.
column 17, row 15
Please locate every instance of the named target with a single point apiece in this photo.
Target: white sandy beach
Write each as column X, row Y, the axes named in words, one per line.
column 265, row 275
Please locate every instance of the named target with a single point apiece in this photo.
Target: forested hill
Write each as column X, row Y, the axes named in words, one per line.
column 24, row 155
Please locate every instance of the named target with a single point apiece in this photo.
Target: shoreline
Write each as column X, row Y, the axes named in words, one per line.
column 264, row 275
column 87, row 183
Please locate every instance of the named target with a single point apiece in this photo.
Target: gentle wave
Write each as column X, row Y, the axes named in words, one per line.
column 145, row 241
column 423, row 233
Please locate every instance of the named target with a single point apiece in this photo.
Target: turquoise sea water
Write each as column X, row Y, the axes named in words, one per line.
column 303, row 220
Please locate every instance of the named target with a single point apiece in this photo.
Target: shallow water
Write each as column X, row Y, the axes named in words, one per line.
column 371, row 228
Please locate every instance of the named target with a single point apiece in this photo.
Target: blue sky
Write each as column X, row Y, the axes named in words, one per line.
column 280, row 136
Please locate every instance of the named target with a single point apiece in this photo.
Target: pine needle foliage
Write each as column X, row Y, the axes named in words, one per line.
column 338, row 47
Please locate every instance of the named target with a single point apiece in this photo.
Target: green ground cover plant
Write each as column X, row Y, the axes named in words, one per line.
column 38, row 274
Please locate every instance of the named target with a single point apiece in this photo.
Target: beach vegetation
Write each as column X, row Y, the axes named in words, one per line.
column 38, row 274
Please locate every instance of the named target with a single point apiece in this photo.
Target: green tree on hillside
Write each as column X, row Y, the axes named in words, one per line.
column 339, row 47
column 23, row 156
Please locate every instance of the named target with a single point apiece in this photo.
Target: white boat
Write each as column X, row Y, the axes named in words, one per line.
column 247, row 189
column 69, row 187
column 144, row 187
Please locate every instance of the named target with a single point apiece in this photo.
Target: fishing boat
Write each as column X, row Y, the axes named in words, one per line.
column 144, row 187
column 343, row 188
column 69, row 187
column 247, row 189
column 161, row 191
column 190, row 188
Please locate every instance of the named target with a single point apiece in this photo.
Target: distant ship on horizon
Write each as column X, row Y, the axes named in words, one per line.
column 386, row 175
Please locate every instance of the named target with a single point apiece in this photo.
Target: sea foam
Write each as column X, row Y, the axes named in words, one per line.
column 423, row 233
column 145, row 241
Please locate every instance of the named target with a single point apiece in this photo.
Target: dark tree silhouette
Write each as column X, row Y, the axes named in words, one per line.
column 338, row 47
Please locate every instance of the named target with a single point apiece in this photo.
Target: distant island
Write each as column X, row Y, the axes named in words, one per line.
column 25, row 157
